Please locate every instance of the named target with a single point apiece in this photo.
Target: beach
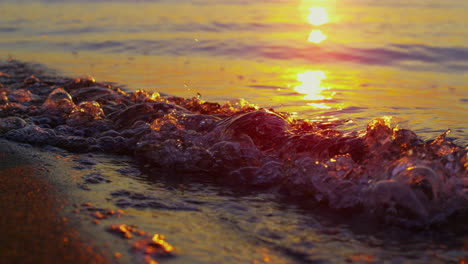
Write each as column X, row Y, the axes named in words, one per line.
column 36, row 223
column 233, row 131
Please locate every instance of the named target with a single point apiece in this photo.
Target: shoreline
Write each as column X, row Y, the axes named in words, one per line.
column 34, row 224
column 103, row 151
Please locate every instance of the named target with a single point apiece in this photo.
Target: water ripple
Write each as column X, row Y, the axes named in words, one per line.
column 413, row 57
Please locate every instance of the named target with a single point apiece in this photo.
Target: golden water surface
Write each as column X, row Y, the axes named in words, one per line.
column 323, row 60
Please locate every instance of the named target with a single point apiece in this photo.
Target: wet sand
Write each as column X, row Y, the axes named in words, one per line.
column 33, row 225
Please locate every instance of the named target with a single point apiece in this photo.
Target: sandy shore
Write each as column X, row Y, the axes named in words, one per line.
column 33, row 225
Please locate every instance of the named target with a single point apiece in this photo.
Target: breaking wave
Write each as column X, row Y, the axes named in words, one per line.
column 385, row 171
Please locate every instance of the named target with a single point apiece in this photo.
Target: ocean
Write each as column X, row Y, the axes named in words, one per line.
column 273, row 131
column 351, row 60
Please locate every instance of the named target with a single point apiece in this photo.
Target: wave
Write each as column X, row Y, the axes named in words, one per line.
column 412, row 57
column 384, row 171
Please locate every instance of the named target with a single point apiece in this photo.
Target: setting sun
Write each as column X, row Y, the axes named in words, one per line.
column 318, row 16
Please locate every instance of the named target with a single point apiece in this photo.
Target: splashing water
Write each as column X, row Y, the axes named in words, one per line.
column 386, row 171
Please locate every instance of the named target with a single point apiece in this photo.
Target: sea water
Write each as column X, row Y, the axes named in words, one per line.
column 344, row 155
column 323, row 60
column 223, row 179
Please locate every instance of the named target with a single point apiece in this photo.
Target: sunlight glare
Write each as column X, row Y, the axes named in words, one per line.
column 319, row 106
column 316, row 36
column 311, row 84
column 318, row 16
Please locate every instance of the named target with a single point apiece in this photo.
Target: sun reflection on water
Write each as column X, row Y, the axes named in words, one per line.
column 311, row 87
column 317, row 16
column 311, row 84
